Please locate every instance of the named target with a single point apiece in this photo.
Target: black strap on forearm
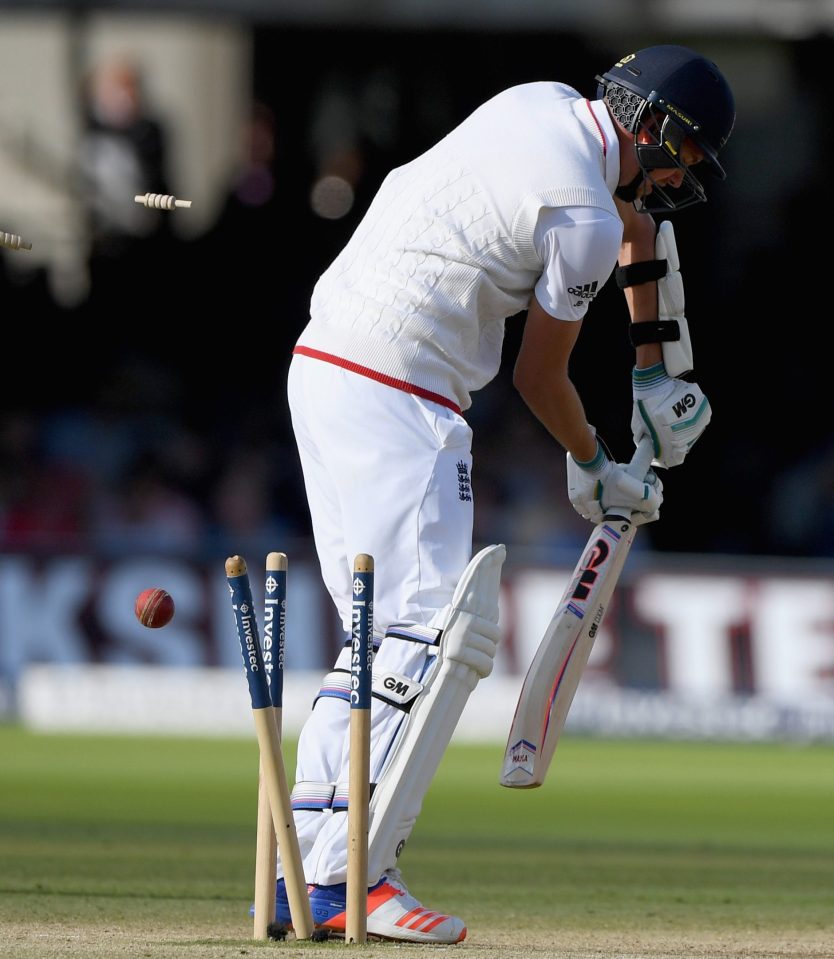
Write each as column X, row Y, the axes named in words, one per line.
column 657, row 331
column 636, row 273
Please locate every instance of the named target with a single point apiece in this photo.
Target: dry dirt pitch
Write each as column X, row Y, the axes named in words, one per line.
column 64, row 941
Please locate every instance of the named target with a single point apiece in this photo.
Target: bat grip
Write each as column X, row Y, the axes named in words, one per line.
column 641, row 461
column 638, row 467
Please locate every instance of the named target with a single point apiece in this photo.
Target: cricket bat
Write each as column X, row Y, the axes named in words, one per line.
column 553, row 677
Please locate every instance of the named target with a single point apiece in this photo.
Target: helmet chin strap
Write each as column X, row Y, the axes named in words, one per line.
column 628, row 193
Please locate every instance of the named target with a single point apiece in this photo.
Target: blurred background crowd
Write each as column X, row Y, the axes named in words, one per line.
column 143, row 384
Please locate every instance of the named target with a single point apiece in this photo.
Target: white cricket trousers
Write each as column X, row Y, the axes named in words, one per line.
column 386, row 473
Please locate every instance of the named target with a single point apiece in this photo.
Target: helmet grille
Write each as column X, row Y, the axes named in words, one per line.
column 625, row 105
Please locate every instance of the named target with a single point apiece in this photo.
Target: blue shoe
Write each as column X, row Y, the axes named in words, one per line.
column 282, row 906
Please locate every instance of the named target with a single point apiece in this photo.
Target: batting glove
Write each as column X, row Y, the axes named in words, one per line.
column 600, row 486
column 671, row 411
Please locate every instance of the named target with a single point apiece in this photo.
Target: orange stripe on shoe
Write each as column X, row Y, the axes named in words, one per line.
column 377, row 897
column 427, row 921
column 436, row 922
column 419, row 921
column 425, row 924
column 422, row 919
column 409, row 916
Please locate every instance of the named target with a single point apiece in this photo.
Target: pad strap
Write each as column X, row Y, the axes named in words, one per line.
column 311, row 796
column 395, row 689
column 415, row 633
column 410, row 631
column 335, row 685
column 657, row 331
column 636, row 273
column 341, row 796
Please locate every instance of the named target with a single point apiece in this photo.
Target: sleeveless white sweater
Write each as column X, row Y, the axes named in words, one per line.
column 445, row 252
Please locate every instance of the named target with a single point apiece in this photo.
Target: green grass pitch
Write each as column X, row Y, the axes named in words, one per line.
column 144, row 847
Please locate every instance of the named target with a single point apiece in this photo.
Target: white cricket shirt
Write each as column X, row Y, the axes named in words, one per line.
column 517, row 199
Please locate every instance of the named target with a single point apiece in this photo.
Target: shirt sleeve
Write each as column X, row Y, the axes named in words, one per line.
column 579, row 248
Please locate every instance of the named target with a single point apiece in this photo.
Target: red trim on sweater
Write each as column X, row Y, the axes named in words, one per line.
column 379, row 377
column 599, row 127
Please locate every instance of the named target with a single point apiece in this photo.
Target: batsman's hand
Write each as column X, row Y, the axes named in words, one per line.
column 671, row 411
column 602, row 486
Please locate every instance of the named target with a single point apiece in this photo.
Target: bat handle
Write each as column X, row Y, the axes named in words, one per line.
column 641, row 461
column 638, row 467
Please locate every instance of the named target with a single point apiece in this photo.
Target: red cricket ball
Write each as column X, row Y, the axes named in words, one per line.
column 154, row 607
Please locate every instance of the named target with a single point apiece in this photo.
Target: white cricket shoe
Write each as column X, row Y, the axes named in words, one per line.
column 393, row 913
